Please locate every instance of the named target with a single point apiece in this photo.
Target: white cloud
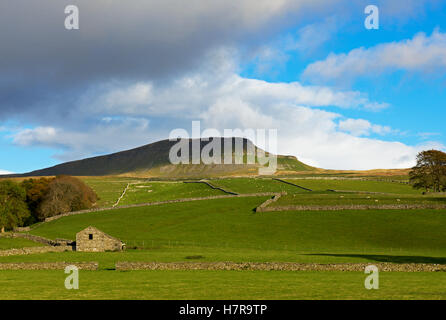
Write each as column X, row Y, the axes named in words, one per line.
column 110, row 134
column 312, row 36
column 5, row 172
column 224, row 100
column 361, row 127
column 422, row 53
column 193, row 94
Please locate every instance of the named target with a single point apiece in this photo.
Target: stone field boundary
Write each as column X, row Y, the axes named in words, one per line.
column 33, row 250
column 229, row 266
column 48, row 265
column 206, row 182
column 351, row 207
column 278, row 266
column 293, row 184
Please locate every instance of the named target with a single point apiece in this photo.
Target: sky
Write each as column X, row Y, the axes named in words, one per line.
column 340, row 95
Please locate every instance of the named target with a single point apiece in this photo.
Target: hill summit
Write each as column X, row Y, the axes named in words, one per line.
column 152, row 160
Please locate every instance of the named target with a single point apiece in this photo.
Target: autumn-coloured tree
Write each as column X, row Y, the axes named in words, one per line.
column 36, row 189
column 430, row 171
column 66, row 194
column 13, row 208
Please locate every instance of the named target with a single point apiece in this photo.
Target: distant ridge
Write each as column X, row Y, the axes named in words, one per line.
column 153, row 160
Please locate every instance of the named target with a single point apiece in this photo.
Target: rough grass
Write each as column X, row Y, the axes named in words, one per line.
column 219, row 285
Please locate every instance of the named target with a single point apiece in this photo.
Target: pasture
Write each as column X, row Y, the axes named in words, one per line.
column 161, row 191
column 355, row 185
column 220, row 285
column 229, row 229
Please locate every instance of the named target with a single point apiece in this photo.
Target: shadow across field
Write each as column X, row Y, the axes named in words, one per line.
column 387, row 258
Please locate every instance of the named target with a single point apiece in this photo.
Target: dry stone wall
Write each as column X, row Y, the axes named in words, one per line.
column 293, row 184
column 278, row 266
column 213, row 187
column 353, row 207
column 263, row 206
column 48, row 265
column 33, row 250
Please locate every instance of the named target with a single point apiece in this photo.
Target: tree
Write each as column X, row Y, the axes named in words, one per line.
column 13, row 208
column 430, row 171
column 36, row 189
column 66, row 194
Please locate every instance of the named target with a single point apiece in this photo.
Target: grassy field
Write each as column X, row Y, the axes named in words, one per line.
column 355, row 185
column 231, row 223
column 335, row 198
column 108, row 189
column 162, row 191
column 15, row 243
column 220, row 285
column 249, row 185
column 229, row 230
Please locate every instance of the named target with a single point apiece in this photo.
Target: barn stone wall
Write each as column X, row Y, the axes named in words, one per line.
column 100, row 241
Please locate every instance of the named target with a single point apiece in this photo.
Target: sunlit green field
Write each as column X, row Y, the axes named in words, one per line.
column 232, row 223
column 14, row 243
column 220, row 285
column 250, row 185
column 338, row 198
column 355, row 185
column 108, row 189
column 230, row 230
column 162, row 191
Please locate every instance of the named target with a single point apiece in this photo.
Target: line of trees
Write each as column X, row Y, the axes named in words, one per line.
column 430, row 171
column 33, row 200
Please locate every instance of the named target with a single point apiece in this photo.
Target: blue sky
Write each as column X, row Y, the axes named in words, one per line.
column 341, row 96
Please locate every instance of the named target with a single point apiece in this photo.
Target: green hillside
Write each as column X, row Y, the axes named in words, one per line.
column 229, row 230
column 152, row 160
column 230, row 223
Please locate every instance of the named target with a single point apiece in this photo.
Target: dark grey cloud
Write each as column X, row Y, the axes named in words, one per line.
column 43, row 66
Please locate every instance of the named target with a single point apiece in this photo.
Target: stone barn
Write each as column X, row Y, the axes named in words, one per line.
column 94, row 240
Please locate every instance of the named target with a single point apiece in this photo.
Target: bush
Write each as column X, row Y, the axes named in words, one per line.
column 66, row 194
